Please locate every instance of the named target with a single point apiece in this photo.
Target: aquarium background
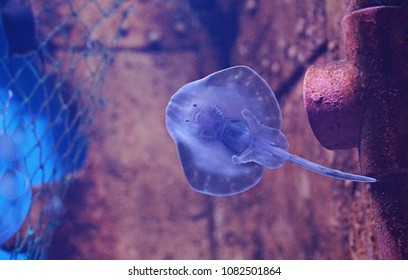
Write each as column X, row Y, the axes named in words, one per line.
column 130, row 199
column 51, row 75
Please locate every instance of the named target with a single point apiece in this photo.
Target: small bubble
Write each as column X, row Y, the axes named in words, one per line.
column 275, row 68
column 301, row 58
column 180, row 27
column 292, row 51
column 154, row 36
column 281, row 45
column 251, row 6
column 243, row 50
column 332, row 45
column 300, row 26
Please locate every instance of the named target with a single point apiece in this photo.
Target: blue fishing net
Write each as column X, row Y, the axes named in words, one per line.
column 51, row 73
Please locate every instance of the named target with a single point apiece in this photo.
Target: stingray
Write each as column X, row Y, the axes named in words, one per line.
column 227, row 128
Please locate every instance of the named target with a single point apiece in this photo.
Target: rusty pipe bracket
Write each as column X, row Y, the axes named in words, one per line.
column 362, row 101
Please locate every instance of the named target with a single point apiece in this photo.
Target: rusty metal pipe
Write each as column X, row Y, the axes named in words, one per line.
column 362, row 101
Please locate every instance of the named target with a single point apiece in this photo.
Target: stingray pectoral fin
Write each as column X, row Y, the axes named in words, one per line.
column 247, row 156
column 254, row 154
column 251, row 153
column 268, row 157
column 265, row 144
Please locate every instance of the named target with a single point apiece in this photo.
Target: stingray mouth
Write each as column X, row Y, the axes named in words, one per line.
column 201, row 119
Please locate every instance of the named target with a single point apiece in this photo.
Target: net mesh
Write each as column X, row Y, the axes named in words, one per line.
column 54, row 56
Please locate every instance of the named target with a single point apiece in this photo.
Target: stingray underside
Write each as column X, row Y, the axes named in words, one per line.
column 220, row 176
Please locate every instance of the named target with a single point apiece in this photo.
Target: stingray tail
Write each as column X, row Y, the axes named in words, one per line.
column 317, row 168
